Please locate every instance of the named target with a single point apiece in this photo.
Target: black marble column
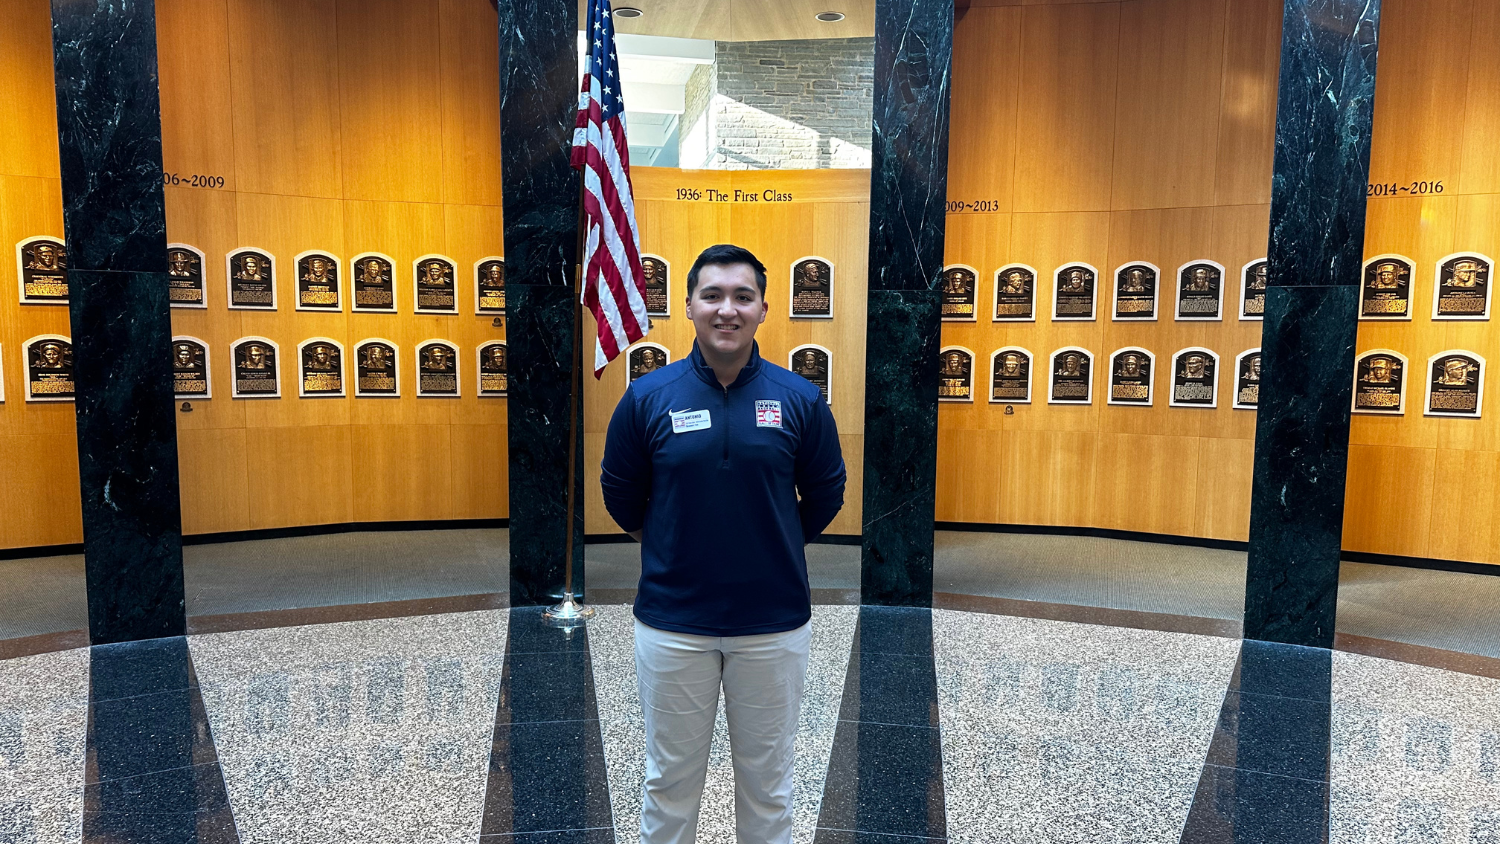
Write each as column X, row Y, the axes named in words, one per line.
column 1323, row 114
column 538, row 96
column 109, row 139
column 908, row 192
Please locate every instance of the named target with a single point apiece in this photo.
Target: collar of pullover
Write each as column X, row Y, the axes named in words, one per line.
column 706, row 372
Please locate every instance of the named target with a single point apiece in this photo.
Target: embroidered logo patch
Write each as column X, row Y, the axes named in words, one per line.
column 767, row 413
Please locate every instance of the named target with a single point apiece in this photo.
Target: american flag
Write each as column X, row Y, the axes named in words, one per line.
column 614, row 286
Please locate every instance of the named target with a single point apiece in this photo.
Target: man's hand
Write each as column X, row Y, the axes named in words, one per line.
column 636, row 535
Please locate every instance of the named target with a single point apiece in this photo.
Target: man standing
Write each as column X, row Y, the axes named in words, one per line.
column 704, row 464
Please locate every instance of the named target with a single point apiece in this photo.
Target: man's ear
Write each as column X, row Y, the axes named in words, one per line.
column 765, row 308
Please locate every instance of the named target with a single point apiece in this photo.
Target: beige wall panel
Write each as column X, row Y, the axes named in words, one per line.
column 39, row 468
column 1480, row 167
column 1420, row 90
column 1225, row 467
column 972, row 491
column 197, row 114
column 951, row 503
column 1145, row 483
column 596, row 519
column 284, row 86
column 39, row 492
column 300, row 476
column 1247, row 113
column 481, row 475
column 1170, row 82
column 213, row 469
column 1066, row 112
column 982, row 160
column 390, row 105
column 471, row 102
column 1046, row 477
column 403, row 472
column 1386, row 505
column 1463, row 521
column 28, row 104
column 847, row 522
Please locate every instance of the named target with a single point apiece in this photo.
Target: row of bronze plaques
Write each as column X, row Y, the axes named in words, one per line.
column 321, row 369
column 810, row 361
column 1455, row 382
column 250, row 277
column 1462, row 282
column 251, row 274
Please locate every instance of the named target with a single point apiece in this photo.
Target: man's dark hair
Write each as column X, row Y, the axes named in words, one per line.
column 723, row 255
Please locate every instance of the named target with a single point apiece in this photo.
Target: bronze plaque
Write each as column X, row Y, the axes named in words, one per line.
column 493, row 369
column 256, row 369
column 49, row 369
column 1010, row 376
column 1072, row 379
column 955, row 375
column 1195, row 379
column 644, row 359
column 42, row 266
column 657, row 275
column 1455, row 384
column 489, row 286
column 811, row 362
column 1130, row 377
column 959, row 294
column 318, row 282
column 190, row 379
column 1380, row 383
column 376, row 370
column 1200, row 290
column 322, row 368
column 437, row 292
column 374, row 283
column 1463, row 287
column 1015, row 293
column 812, row 289
column 1135, row 291
column 252, row 280
column 437, row 369
column 1385, row 288
column 1074, row 297
column 1247, row 380
column 1253, row 277
column 185, row 288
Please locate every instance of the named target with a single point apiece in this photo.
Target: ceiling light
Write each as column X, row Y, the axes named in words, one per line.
column 829, row 17
column 628, row 12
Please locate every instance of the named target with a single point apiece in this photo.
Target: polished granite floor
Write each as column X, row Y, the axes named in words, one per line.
column 919, row 725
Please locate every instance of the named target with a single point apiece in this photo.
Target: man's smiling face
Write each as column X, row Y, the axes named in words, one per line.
column 726, row 308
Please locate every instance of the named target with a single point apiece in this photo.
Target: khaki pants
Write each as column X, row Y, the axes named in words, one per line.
column 679, row 676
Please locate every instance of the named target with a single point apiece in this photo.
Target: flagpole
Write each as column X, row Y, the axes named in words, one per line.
column 571, row 611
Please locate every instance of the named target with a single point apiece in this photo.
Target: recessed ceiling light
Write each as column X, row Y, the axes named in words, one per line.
column 829, row 17
column 628, row 12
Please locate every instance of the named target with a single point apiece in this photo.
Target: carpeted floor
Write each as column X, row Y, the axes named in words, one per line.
column 1452, row 611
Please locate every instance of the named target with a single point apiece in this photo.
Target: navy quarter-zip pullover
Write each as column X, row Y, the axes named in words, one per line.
column 711, row 476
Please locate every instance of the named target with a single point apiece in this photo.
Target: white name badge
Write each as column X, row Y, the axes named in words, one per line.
column 690, row 420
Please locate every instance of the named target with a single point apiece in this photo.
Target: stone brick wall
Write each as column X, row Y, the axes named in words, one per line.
column 781, row 105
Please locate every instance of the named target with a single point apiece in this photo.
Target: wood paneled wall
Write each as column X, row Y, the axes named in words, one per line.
column 348, row 127
column 1108, row 132
column 828, row 216
column 38, row 447
column 1424, row 486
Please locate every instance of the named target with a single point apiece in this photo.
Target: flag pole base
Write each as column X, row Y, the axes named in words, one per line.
column 569, row 612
